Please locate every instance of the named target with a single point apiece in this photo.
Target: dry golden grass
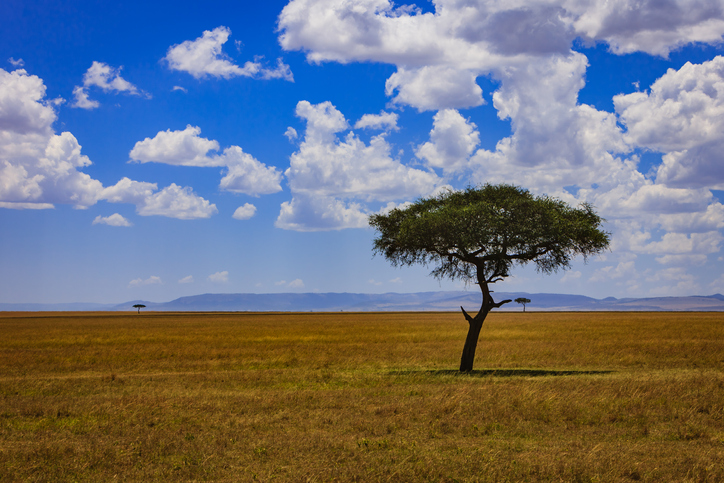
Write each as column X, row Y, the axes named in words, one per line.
column 598, row 397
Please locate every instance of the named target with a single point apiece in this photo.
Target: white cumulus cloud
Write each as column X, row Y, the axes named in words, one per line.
column 320, row 213
column 26, row 206
column 673, row 281
column 332, row 177
column 717, row 285
column 553, row 136
column 172, row 201
column 127, row 190
column 433, row 87
column 557, row 146
column 113, row 220
column 439, row 55
column 23, row 107
column 187, row 279
column 243, row 173
column 296, row 283
column 383, row 120
column 177, row 202
column 152, row 280
column 106, row 78
column 329, row 166
column 36, row 165
column 291, row 133
column 204, row 57
column 649, row 26
column 83, row 100
column 219, row 277
column 244, row 212
column 181, row 148
column 610, row 272
column 453, row 140
column 683, row 117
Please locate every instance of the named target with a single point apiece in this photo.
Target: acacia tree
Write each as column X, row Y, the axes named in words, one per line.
column 480, row 234
column 139, row 307
column 522, row 301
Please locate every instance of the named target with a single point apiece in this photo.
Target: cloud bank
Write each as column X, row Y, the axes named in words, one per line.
column 243, row 173
column 39, row 168
column 557, row 145
column 331, row 177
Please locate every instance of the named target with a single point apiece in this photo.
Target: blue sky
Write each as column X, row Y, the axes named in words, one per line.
column 156, row 150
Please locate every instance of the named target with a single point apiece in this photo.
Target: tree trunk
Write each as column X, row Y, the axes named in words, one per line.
column 476, row 324
column 471, row 341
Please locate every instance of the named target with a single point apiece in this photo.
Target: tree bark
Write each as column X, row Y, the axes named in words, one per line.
column 471, row 341
column 476, row 324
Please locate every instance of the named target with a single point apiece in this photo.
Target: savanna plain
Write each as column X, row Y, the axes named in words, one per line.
column 368, row 397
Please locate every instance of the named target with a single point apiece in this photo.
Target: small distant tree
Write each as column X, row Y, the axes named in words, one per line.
column 139, row 307
column 480, row 234
column 522, row 301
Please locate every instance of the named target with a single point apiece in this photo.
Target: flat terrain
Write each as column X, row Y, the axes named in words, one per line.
column 361, row 397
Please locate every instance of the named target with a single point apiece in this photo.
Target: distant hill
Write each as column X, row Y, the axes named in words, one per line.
column 422, row 301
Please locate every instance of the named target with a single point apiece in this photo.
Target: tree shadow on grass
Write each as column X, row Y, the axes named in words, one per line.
column 498, row 373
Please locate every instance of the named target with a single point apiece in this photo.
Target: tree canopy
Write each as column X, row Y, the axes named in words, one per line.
column 522, row 301
column 479, row 234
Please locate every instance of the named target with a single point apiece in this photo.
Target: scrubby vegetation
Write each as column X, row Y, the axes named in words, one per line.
column 361, row 397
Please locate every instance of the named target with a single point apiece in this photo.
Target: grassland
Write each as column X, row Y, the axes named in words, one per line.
column 601, row 397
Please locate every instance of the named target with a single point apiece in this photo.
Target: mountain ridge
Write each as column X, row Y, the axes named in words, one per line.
column 391, row 301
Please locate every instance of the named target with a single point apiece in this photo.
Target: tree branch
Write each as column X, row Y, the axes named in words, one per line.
column 533, row 252
column 499, row 304
column 477, row 252
column 467, row 317
column 447, row 254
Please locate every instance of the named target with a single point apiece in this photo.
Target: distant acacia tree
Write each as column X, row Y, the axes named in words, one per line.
column 522, row 301
column 480, row 233
column 139, row 307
